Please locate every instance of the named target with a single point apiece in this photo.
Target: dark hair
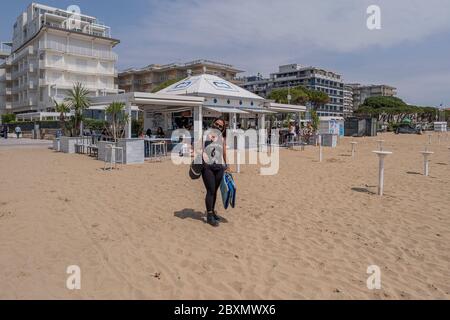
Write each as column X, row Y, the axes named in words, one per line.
column 224, row 131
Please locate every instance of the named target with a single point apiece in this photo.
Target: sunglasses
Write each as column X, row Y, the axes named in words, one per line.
column 217, row 126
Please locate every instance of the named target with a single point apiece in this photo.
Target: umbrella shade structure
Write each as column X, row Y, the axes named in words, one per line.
column 407, row 120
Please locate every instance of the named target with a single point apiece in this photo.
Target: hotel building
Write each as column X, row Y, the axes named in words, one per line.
column 148, row 78
column 51, row 50
column 348, row 100
column 293, row 75
column 362, row 92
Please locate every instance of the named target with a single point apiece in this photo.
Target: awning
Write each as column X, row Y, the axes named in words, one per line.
column 288, row 108
column 225, row 109
column 259, row 110
column 101, row 108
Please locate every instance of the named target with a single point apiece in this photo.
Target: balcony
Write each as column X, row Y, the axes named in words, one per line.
column 82, row 69
column 78, row 51
column 125, row 82
column 26, row 51
column 62, row 20
column 25, row 103
column 68, row 84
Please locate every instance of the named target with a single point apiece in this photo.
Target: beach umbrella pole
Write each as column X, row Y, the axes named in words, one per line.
column 320, row 149
column 381, row 155
column 426, row 162
column 353, row 148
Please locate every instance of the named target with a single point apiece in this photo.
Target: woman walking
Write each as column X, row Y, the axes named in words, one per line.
column 214, row 167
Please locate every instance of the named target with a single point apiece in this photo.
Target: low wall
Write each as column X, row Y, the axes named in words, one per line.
column 133, row 150
column 67, row 144
column 104, row 153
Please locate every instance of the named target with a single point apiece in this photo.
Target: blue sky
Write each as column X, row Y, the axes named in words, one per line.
column 411, row 51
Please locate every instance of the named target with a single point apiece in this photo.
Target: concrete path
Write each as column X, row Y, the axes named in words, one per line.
column 13, row 142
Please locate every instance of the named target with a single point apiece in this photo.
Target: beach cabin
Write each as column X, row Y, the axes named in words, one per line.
column 332, row 125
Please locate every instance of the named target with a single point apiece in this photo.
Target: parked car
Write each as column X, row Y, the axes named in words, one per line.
column 408, row 129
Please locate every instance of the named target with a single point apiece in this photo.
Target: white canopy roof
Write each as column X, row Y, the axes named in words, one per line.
column 279, row 107
column 207, row 85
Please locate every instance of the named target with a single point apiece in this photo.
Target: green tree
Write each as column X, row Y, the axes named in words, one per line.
column 8, row 118
column 62, row 109
column 315, row 121
column 78, row 101
column 299, row 95
column 166, row 84
column 119, row 119
column 317, row 98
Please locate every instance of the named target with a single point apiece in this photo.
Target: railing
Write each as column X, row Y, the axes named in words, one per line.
column 4, row 49
column 26, row 51
column 68, row 83
column 88, row 29
column 79, row 51
column 79, row 68
column 126, row 82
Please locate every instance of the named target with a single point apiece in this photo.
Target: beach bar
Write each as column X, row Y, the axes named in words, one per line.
column 191, row 104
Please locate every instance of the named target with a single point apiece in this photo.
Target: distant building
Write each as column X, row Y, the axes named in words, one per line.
column 51, row 50
column 147, row 78
column 348, row 100
column 362, row 92
column 313, row 78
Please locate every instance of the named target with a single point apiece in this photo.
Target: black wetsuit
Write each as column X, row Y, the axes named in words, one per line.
column 212, row 173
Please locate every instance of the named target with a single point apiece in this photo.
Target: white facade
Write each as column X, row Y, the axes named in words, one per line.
column 52, row 49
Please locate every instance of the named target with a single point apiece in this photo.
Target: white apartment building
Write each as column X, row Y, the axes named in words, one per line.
column 313, row 78
column 51, row 50
column 348, row 100
column 362, row 92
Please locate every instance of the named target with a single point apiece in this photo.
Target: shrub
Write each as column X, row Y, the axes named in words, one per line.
column 8, row 118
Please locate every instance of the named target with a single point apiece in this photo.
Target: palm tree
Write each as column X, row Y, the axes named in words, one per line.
column 78, row 101
column 63, row 109
column 119, row 119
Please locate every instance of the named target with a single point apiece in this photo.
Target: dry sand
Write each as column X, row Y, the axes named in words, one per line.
column 309, row 232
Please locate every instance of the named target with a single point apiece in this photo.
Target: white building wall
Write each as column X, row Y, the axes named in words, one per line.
column 51, row 63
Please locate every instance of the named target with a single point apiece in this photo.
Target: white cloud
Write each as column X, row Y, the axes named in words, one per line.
column 334, row 25
column 258, row 35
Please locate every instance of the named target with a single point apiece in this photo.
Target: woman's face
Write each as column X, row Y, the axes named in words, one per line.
column 219, row 125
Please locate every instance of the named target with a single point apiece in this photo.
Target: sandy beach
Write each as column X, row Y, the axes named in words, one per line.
column 309, row 232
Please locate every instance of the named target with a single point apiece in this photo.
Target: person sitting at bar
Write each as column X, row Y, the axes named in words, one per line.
column 148, row 133
column 160, row 133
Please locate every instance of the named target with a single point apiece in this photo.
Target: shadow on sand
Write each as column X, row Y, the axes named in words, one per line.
column 413, row 172
column 363, row 190
column 194, row 215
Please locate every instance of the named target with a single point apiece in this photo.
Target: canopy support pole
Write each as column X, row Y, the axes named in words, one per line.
column 238, row 151
column 128, row 110
column 262, row 133
column 198, row 130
